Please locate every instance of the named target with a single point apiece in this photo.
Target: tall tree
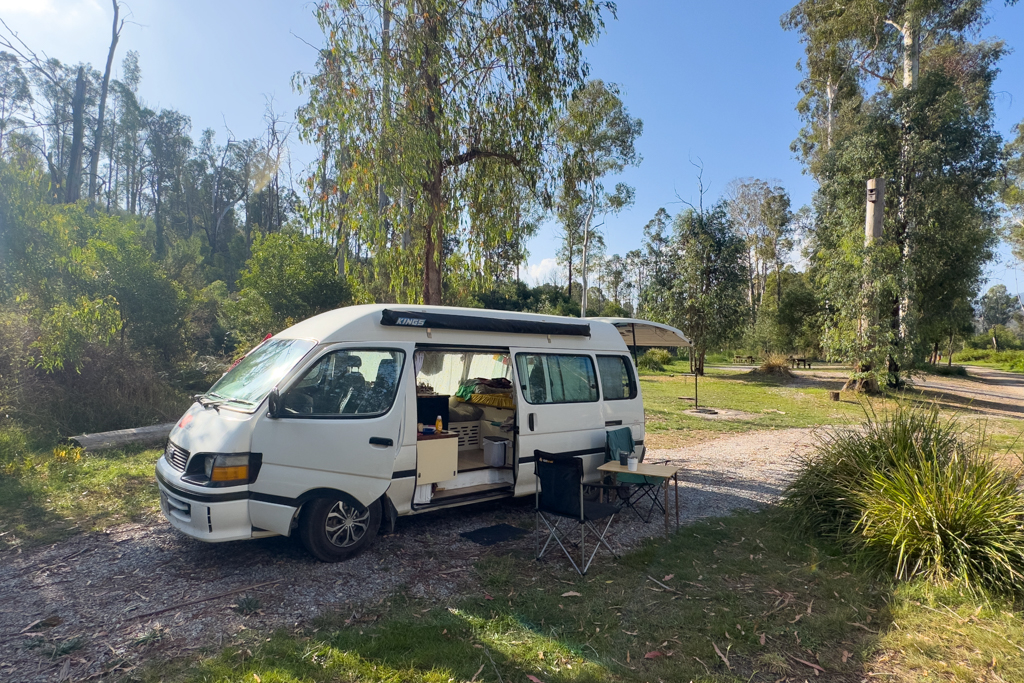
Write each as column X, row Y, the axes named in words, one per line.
column 15, row 94
column 409, row 96
column 926, row 128
column 94, row 164
column 709, row 280
column 596, row 138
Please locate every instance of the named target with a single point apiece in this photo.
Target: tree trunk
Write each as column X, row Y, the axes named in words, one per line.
column 911, row 51
column 586, row 239
column 94, row 166
column 56, row 179
column 433, row 257
column 73, row 186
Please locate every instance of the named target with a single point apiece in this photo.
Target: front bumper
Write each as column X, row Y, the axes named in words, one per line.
column 212, row 515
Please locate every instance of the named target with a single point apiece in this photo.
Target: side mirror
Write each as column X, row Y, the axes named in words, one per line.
column 274, row 404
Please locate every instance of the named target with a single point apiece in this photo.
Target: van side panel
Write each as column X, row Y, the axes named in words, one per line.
column 271, row 516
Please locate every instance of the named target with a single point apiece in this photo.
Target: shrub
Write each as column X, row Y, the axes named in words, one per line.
column 14, row 444
column 947, row 370
column 916, row 494
column 654, row 360
column 774, row 364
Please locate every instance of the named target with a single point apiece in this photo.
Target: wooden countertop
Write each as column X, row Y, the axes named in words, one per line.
column 431, row 437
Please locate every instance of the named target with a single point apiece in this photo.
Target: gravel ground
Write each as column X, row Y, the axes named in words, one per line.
column 104, row 601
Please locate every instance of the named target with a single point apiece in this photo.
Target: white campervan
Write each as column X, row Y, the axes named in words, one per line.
column 325, row 428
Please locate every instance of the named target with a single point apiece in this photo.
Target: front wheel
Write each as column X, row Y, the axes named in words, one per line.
column 333, row 530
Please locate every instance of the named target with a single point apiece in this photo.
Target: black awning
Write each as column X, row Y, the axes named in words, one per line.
column 451, row 321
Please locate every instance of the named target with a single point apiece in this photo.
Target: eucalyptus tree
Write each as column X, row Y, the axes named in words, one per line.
column 596, row 138
column 410, row 96
column 707, row 295
column 760, row 212
column 1013, row 191
column 15, row 94
column 896, row 89
column 169, row 146
column 653, row 267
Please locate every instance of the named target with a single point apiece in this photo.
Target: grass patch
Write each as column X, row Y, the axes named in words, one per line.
column 731, row 584
column 1010, row 361
column 751, row 586
column 47, row 497
column 773, row 402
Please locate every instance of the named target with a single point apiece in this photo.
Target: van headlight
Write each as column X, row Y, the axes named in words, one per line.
column 223, row 469
column 226, row 470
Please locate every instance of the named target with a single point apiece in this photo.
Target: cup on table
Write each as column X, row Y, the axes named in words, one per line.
column 623, row 457
column 631, row 463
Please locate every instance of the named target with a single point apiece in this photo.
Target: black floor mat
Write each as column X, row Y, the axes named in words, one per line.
column 489, row 535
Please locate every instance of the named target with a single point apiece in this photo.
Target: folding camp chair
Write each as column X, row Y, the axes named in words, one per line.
column 559, row 497
column 637, row 492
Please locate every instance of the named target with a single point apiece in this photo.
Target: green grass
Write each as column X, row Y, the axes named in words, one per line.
column 769, row 402
column 1010, row 361
column 732, row 583
column 43, row 500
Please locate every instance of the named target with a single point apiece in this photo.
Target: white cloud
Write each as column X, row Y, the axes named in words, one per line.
column 547, row 271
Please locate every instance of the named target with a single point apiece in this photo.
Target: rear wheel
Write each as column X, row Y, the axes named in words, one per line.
column 335, row 529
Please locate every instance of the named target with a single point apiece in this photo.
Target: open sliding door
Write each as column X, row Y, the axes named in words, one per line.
column 559, row 410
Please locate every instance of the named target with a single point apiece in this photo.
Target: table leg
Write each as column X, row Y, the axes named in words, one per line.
column 675, row 478
column 666, row 507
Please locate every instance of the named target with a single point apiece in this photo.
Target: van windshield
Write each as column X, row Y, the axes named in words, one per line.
column 259, row 371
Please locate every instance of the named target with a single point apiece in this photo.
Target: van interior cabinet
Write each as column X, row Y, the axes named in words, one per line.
column 437, row 457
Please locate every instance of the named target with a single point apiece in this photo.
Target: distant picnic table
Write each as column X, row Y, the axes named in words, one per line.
column 749, row 360
column 800, row 362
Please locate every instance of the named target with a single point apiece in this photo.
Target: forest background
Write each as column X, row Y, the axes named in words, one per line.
column 139, row 256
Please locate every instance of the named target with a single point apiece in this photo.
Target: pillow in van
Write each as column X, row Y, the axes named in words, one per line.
column 458, row 411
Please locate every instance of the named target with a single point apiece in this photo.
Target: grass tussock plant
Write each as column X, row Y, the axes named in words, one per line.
column 918, row 495
column 774, row 364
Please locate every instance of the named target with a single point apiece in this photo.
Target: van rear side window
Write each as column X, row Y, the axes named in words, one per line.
column 556, row 378
column 617, row 382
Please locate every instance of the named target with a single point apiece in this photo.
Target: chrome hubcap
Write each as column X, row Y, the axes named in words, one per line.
column 346, row 525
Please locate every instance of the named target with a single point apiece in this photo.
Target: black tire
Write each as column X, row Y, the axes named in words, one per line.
column 335, row 529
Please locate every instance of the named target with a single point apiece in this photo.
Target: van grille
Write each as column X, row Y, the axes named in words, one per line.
column 178, row 457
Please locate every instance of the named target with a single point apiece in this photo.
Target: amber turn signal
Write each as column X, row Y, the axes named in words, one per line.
column 237, row 473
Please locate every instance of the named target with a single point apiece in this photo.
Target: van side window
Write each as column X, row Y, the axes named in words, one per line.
column 617, row 382
column 347, row 383
column 556, row 378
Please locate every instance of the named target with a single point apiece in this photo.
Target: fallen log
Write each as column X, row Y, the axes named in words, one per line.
column 152, row 435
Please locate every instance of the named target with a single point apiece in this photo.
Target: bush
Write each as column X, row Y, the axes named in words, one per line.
column 774, row 364
column 946, row 370
column 654, row 360
column 14, row 445
column 917, row 496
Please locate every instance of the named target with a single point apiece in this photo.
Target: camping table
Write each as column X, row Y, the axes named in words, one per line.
column 663, row 472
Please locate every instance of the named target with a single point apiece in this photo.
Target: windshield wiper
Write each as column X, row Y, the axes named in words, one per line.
column 206, row 402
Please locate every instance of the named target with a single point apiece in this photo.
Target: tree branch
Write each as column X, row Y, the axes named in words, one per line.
column 477, row 153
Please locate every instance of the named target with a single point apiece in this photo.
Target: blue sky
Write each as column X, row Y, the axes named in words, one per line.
column 712, row 81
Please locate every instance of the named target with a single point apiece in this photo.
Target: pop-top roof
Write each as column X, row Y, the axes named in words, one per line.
column 644, row 333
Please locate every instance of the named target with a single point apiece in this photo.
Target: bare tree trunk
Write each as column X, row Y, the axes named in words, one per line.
column 586, row 240
column 115, row 33
column 73, row 187
column 56, row 178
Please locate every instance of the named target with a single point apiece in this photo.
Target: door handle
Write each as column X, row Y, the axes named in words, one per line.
column 531, row 416
column 612, row 423
column 381, row 441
